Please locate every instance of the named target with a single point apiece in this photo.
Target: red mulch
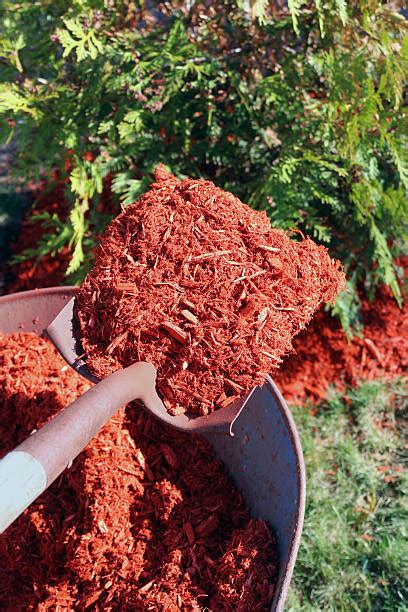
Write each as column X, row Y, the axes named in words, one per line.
column 324, row 358
column 194, row 281
column 48, row 271
column 146, row 518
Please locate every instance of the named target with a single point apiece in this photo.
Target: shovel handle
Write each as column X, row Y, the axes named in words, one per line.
column 32, row 466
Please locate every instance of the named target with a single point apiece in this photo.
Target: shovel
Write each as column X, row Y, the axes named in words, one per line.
column 32, row 466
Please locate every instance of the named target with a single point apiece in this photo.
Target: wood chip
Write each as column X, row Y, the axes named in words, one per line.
column 189, row 531
column 102, row 526
column 227, row 401
column 268, row 248
column 210, row 255
column 207, row 527
column 116, row 341
column 125, row 287
column 270, row 355
column 234, row 386
column 146, row 587
column 175, row 332
column 169, row 455
column 187, row 303
column 189, row 316
column 372, row 348
column 142, row 462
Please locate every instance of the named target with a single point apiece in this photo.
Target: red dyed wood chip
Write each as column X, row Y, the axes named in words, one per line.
column 145, row 519
column 248, row 288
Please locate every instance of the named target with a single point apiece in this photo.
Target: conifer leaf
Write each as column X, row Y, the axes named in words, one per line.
column 76, row 38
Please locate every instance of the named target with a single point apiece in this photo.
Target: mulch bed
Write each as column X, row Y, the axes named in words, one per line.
column 324, row 358
column 194, row 281
column 47, row 271
column 146, row 518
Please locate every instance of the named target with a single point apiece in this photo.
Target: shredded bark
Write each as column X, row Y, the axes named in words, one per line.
column 194, row 281
column 145, row 519
column 322, row 357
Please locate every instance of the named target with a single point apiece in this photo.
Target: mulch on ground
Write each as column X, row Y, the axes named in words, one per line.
column 324, row 357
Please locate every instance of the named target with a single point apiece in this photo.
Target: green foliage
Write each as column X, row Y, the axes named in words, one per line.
column 354, row 551
column 56, row 235
column 83, row 41
column 299, row 113
column 11, row 99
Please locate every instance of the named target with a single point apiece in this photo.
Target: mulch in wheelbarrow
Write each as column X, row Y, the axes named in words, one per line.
column 194, row 281
column 145, row 519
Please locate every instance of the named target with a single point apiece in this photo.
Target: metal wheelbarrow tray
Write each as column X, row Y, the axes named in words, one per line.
column 264, row 458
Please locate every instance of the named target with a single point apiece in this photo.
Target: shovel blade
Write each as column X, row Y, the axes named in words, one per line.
column 62, row 333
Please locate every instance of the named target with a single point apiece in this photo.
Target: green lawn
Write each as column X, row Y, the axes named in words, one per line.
column 354, row 553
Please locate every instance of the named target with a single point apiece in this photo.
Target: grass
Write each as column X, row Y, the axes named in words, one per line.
column 354, row 550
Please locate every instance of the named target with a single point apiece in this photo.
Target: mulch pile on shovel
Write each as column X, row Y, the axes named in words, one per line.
column 146, row 518
column 194, row 281
column 322, row 355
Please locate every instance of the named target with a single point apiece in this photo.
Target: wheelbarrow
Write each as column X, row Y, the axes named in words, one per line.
column 264, row 457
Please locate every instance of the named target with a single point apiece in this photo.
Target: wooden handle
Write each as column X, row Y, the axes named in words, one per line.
column 31, row 467
column 22, row 479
